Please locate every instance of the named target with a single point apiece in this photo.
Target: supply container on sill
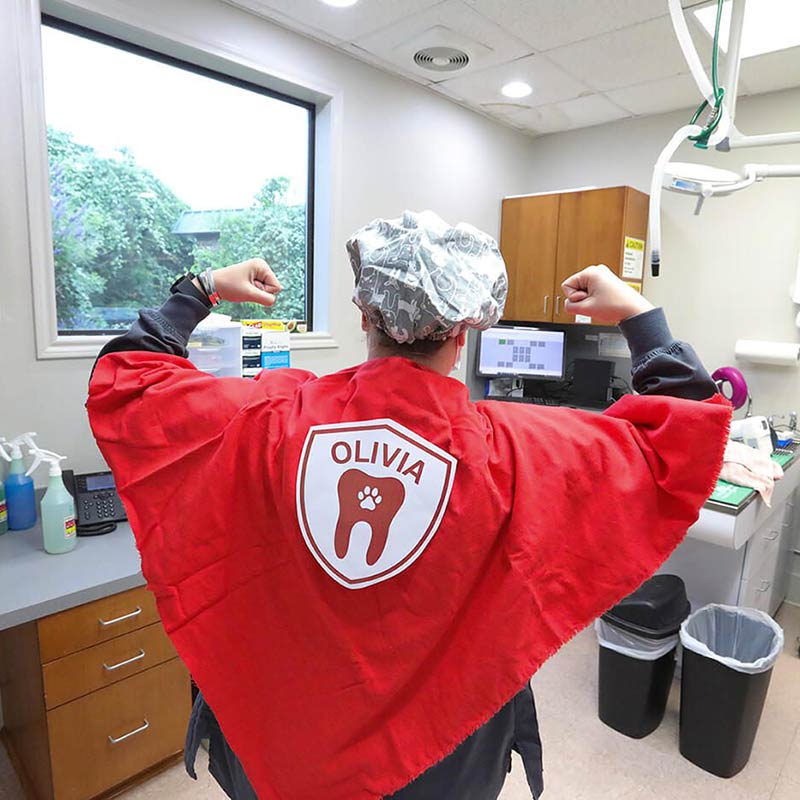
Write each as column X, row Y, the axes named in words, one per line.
column 638, row 638
column 216, row 346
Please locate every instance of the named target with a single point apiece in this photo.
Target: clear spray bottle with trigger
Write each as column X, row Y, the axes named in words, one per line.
column 59, row 526
column 20, row 498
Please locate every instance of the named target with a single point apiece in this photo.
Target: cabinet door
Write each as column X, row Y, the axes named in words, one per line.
column 528, row 243
column 589, row 232
column 108, row 737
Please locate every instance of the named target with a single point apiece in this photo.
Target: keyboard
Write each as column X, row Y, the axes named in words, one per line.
column 537, row 401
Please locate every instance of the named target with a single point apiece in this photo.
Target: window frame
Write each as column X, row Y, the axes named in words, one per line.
column 128, row 47
column 206, row 57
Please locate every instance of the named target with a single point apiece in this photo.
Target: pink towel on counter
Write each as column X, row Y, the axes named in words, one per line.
column 746, row 466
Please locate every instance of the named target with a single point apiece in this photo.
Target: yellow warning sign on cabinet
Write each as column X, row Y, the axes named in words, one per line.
column 633, row 258
column 637, row 285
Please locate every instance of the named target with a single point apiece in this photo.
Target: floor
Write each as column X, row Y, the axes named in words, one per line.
column 585, row 759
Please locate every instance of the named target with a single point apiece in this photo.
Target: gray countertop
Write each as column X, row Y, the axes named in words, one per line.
column 34, row 584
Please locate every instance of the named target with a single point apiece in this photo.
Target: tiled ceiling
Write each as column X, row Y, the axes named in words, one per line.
column 588, row 61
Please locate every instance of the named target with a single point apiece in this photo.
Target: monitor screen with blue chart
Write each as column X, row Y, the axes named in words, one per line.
column 521, row 353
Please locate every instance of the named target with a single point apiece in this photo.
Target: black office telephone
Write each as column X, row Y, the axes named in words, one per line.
column 97, row 503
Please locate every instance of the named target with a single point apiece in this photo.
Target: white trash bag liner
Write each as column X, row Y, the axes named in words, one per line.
column 629, row 644
column 744, row 639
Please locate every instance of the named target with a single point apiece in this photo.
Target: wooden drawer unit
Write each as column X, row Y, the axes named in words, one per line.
column 106, row 737
column 88, row 670
column 86, row 625
column 94, row 698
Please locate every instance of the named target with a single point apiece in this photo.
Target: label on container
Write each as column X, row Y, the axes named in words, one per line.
column 3, row 512
column 635, row 285
column 583, row 319
column 633, row 258
column 70, row 527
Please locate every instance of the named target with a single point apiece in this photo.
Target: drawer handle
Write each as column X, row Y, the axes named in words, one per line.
column 138, row 657
column 546, row 298
column 765, row 584
column 106, row 622
column 128, row 735
column 558, row 303
column 775, row 535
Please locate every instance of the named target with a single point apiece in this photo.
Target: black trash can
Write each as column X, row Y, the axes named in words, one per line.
column 637, row 640
column 728, row 656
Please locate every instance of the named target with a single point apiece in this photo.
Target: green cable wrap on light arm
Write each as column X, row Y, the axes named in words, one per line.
column 701, row 140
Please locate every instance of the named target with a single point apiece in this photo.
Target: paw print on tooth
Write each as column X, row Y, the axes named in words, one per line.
column 365, row 498
column 369, row 498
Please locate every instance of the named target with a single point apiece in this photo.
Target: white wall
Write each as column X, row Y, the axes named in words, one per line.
column 725, row 274
column 395, row 146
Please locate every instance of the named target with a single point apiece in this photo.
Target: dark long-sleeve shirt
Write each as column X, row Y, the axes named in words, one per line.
column 660, row 363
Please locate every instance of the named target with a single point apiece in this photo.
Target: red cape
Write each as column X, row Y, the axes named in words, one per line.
column 347, row 643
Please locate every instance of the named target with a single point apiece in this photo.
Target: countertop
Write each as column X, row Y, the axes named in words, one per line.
column 34, row 584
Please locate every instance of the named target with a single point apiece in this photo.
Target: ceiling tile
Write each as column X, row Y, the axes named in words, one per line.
column 335, row 24
column 545, row 24
column 375, row 61
column 550, row 83
column 656, row 97
column 644, row 52
column 451, row 23
column 772, row 71
column 578, row 113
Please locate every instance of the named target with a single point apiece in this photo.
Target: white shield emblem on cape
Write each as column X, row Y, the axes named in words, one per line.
column 370, row 497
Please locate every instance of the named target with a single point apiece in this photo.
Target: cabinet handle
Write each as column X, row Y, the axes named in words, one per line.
column 107, row 622
column 138, row 657
column 775, row 535
column 765, row 584
column 558, row 303
column 546, row 298
column 128, row 735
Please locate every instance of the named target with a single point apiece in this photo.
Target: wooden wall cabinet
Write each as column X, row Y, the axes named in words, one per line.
column 94, row 698
column 545, row 238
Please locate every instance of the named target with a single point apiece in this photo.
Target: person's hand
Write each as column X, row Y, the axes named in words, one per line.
column 598, row 293
column 251, row 281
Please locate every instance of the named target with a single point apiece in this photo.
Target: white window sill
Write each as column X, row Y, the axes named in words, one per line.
column 90, row 346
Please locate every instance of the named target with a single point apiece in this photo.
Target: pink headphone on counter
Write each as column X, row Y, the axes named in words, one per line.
column 735, row 380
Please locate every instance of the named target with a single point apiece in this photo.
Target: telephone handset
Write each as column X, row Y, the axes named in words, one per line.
column 97, row 503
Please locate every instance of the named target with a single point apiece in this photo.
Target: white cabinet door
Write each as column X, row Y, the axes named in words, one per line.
column 783, row 572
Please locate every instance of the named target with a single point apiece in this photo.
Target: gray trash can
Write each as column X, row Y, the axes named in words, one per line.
column 728, row 656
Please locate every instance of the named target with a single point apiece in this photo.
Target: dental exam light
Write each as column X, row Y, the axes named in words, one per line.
column 711, row 126
column 702, row 181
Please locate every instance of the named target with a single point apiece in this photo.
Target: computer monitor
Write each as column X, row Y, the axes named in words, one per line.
column 528, row 353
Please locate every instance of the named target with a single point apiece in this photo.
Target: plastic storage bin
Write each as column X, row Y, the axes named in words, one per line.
column 637, row 641
column 216, row 346
column 728, row 656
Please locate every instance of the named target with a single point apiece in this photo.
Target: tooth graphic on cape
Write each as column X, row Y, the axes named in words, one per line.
column 365, row 498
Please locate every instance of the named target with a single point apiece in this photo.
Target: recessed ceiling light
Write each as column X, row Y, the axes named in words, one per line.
column 340, row 3
column 769, row 25
column 516, row 89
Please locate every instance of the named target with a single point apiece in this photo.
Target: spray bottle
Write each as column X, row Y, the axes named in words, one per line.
column 59, row 526
column 3, row 506
column 19, row 487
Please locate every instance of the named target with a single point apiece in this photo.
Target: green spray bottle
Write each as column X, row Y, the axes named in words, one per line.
column 59, row 526
column 3, row 506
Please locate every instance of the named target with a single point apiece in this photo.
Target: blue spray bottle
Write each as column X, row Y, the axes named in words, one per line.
column 20, row 498
column 3, row 505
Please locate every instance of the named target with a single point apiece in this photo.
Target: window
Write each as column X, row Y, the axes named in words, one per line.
column 158, row 167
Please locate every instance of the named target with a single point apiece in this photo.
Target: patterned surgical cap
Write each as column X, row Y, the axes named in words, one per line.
column 419, row 278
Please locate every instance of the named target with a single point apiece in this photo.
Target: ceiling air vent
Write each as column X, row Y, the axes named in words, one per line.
column 441, row 59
